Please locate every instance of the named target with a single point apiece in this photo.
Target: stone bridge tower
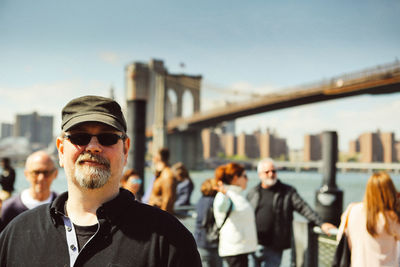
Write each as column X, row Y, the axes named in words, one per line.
column 165, row 93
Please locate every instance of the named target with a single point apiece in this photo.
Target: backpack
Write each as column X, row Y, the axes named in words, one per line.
column 212, row 230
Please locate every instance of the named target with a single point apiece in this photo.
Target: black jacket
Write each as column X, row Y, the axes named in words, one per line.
column 285, row 201
column 131, row 234
column 204, row 203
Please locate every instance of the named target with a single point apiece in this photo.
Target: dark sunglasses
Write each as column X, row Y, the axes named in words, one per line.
column 135, row 181
column 273, row 171
column 105, row 139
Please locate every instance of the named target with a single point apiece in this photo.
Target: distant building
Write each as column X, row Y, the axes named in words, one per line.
column 389, row 152
column 247, row 146
column 211, row 143
column 370, row 148
column 312, row 147
column 354, row 147
column 271, row 146
column 37, row 129
column 228, row 142
column 6, row 130
column 221, row 141
column 376, row 147
column 397, row 148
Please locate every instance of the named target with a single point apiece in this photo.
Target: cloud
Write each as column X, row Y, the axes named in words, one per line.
column 110, row 57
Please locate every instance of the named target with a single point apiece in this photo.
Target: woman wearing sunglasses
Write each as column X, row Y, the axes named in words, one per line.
column 132, row 182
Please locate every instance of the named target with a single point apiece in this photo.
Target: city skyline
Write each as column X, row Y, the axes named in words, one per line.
column 49, row 58
column 271, row 131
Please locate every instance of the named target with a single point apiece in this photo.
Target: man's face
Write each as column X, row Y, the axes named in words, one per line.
column 40, row 172
column 94, row 164
column 268, row 174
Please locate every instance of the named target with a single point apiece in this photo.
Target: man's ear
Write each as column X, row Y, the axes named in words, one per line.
column 127, row 145
column 26, row 173
column 60, row 148
column 55, row 173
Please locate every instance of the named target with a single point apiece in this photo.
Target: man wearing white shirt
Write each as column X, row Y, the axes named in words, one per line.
column 40, row 171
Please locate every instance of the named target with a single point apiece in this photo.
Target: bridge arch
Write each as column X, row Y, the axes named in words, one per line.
column 187, row 104
column 171, row 104
column 187, row 92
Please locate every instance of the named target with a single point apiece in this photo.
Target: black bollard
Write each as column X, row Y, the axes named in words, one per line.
column 329, row 198
column 136, row 123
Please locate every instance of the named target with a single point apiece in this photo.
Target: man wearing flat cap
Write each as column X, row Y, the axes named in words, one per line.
column 95, row 223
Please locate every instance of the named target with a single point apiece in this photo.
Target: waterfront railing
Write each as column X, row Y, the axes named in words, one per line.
column 313, row 248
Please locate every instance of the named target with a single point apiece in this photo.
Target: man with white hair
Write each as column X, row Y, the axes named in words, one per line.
column 274, row 203
column 40, row 171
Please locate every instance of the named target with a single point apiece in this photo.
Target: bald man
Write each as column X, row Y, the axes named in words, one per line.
column 40, row 171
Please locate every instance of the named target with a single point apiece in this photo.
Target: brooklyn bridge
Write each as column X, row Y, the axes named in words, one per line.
column 150, row 83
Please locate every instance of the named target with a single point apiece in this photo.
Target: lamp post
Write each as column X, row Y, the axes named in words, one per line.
column 329, row 198
column 136, row 94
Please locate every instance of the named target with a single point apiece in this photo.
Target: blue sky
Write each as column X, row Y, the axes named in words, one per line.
column 51, row 52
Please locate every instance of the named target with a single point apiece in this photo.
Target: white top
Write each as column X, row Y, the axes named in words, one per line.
column 366, row 250
column 30, row 202
column 238, row 235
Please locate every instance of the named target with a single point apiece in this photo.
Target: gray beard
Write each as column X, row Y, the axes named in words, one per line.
column 269, row 182
column 90, row 177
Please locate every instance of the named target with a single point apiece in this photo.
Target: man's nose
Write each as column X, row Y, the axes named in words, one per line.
column 94, row 145
column 41, row 176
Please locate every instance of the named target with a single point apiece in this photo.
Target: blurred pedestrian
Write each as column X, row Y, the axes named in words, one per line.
column 208, row 251
column 7, row 179
column 238, row 236
column 274, row 203
column 163, row 193
column 132, row 182
column 373, row 226
column 184, row 186
column 40, row 171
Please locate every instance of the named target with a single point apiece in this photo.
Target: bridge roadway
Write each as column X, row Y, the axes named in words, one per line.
column 379, row 80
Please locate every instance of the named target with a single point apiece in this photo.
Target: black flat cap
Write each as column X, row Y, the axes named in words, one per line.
column 93, row 109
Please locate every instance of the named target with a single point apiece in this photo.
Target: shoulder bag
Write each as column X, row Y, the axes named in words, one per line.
column 212, row 230
column 342, row 257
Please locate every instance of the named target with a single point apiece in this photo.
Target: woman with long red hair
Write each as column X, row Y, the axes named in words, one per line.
column 373, row 226
column 238, row 236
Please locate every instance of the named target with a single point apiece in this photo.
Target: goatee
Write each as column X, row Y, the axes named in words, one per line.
column 92, row 177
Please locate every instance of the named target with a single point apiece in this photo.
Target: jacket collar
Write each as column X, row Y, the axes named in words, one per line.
column 234, row 188
column 109, row 211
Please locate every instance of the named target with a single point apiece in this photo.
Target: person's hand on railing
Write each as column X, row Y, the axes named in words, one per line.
column 331, row 232
column 327, row 227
